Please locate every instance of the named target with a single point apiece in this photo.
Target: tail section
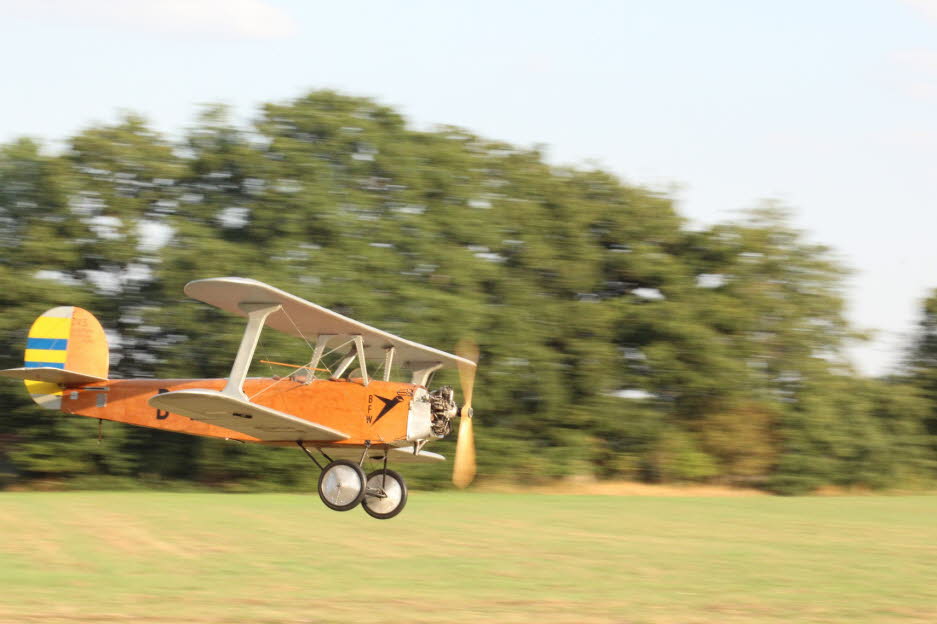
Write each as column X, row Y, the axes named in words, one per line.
column 66, row 347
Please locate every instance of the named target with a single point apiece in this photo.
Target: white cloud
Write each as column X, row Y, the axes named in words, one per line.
column 917, row 73
column 927, row 7
column 924, row 60
column 224, row 19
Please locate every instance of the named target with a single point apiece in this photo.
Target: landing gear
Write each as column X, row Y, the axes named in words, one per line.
column 341, row 485
column 386, row 494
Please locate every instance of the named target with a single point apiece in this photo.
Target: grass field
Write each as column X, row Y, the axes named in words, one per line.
column 466, row 557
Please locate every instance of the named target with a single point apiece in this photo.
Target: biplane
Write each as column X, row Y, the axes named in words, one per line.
column 343, row 415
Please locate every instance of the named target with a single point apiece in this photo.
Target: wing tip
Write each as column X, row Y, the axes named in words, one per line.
column 193, row 285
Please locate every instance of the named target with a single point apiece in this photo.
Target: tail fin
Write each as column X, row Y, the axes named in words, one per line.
column 66, row 347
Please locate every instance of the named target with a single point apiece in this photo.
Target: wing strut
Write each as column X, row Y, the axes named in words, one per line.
column 362, row 360
column 321, row 341
column 356, row 352
column 388, row 361
column 422, row 371
column 257, row 313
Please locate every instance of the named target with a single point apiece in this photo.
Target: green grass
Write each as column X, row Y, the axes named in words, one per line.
column 466, row 557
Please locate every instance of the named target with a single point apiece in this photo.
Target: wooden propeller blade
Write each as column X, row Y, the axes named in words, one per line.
column 463, row 470
column 469, row 350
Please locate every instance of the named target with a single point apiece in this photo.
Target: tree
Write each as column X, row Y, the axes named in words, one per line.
column 614, row 340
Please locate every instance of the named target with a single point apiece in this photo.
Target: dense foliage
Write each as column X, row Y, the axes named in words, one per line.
column 616, row 341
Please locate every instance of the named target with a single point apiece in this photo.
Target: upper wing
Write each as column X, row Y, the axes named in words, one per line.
column 302, row 318
column 50, row 374
column 263, row 423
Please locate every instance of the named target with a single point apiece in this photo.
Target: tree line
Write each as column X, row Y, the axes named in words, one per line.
column 616, row 341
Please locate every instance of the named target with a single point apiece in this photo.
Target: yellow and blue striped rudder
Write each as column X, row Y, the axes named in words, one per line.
column 69, row 338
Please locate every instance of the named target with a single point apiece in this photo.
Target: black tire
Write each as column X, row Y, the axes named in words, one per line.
column 327, row 476
column 376, row 507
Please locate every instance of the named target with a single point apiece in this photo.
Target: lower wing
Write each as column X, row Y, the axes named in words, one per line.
column 263, row 423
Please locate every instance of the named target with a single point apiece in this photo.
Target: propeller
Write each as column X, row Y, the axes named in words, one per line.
column 463, row 469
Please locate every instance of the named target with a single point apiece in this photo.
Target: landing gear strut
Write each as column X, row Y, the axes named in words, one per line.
column 342, row 485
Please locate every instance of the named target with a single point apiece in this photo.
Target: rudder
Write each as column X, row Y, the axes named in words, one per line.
column 68, row 338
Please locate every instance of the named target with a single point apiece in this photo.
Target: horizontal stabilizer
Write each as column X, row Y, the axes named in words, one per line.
column 264, row 423
column 49, row 374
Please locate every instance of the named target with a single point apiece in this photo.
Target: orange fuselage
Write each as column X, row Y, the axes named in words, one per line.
column 378, row 413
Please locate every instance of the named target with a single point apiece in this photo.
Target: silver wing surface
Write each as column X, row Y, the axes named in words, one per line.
column 264, row 423
column 304, row 319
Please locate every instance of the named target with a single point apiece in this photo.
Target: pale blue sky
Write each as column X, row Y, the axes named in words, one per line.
column 828, row 106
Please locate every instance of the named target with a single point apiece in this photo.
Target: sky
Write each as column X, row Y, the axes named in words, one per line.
column 827, row 107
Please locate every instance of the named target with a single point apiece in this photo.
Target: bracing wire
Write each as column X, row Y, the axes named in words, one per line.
column 344, row 344
column 311, row 348
column 308, row 367
column 301, row 335
column 298, row 331
column 264, row 389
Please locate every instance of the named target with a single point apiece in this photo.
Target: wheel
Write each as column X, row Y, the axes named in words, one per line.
column 386, row 494
column 341, row 485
